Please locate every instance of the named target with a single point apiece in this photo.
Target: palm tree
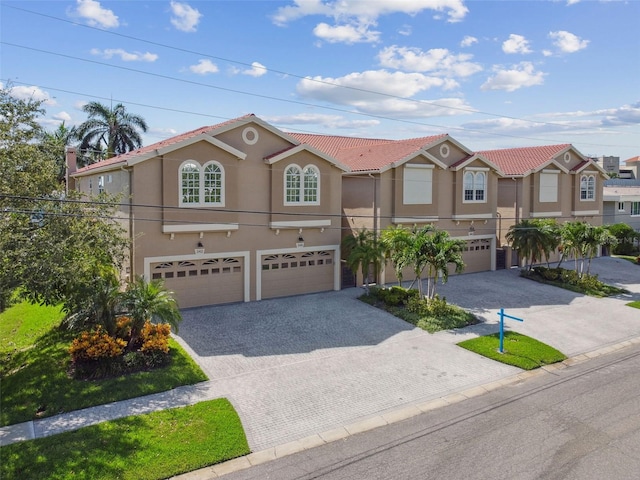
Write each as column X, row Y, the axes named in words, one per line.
column 149, row 301
column 56, row 142
column 112, row 128
column 395, row 241
column 443, row 251
column 531, row 239
column 361, row 250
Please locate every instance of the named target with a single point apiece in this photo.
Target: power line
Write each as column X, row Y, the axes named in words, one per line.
column 288, row 74
column 217, row 211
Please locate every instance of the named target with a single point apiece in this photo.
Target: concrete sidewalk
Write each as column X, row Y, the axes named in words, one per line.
column 286, row 395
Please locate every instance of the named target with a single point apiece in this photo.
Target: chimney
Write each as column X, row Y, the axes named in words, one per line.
column 72, row 165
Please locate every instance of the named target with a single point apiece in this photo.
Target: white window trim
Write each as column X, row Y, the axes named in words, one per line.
column 588, row 176
column 301, row 171
column 621, row 209
column 635, row 214
column 475, row 171
column 201, row 193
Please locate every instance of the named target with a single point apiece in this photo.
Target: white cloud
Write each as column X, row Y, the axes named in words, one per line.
column 124, row 55
column 572, row 2
column 625, row 115
column 567, row 42
column 62, row 117
column 547, row 53
column 405, row 30
column 348, row 34
column 521, row 75
column 24, row 92
column 437, row 60
column 94, row 14
column 326, row 121
column 516, row 44
column 468, row 40
column 204, row 67
column 353, row 18
column 380, row 92
column 185, row 18
column 256, row 70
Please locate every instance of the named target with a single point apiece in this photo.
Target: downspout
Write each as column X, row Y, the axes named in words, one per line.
column 132, row 263
column 375, row 217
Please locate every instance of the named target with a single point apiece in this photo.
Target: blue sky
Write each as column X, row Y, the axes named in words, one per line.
column 492, row 74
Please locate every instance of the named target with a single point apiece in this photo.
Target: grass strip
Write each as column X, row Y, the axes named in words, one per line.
column 143, row 447
column 635, row 304
column 35, row 363
column 519, row 350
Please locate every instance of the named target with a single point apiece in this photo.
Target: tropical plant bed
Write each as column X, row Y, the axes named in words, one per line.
column 36, row 363
column 571, row 280
column 518, row 350
column 151, row 446
column 431, row 315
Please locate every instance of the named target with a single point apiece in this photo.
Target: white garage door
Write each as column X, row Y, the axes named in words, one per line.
column 202, row 282
column 297, row 273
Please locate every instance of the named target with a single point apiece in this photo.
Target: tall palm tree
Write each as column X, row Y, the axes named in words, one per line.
column 149, row 301
column 112, row 128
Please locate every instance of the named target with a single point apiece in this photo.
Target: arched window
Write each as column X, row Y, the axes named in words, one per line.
column 292, row 184
column 475, row 187
column 213, row 182
column 190, row 183
column 587, row 187
column 302, row 185
column 201, row 185
column 311, row 177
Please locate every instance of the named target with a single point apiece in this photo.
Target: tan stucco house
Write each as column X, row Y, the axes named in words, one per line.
column 553, row 181
column 238, row 211
column 429, row 180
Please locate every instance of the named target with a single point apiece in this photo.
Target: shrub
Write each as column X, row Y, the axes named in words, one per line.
column 96, row 345
column 155, row 337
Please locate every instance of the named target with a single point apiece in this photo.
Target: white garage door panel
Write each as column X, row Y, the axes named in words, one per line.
column 299, row 273
column 202, row 282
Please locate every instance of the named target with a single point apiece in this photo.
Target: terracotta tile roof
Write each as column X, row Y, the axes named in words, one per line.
column 125, row 157
column 519, row 161
column 363, row 154
column 632, row 160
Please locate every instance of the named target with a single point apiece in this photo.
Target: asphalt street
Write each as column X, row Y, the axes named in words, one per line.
column 581, row 423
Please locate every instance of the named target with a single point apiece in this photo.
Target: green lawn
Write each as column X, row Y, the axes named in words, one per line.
column 519, row 350
column 153, row 446
column 635, row 304
column 35, row 363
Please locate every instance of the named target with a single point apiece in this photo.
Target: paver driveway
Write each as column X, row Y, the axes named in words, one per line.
column 297, row 366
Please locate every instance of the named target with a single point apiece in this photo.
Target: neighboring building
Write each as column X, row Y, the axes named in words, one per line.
column 609, row 164
column 419, row 181
column 233, row 212
column 554, row 181
column 631, row 166
column 621, row 202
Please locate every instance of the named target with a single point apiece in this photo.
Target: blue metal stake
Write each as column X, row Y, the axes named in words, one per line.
column 502, row 315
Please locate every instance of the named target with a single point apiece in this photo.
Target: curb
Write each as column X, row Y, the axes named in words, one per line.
column 404, row 413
